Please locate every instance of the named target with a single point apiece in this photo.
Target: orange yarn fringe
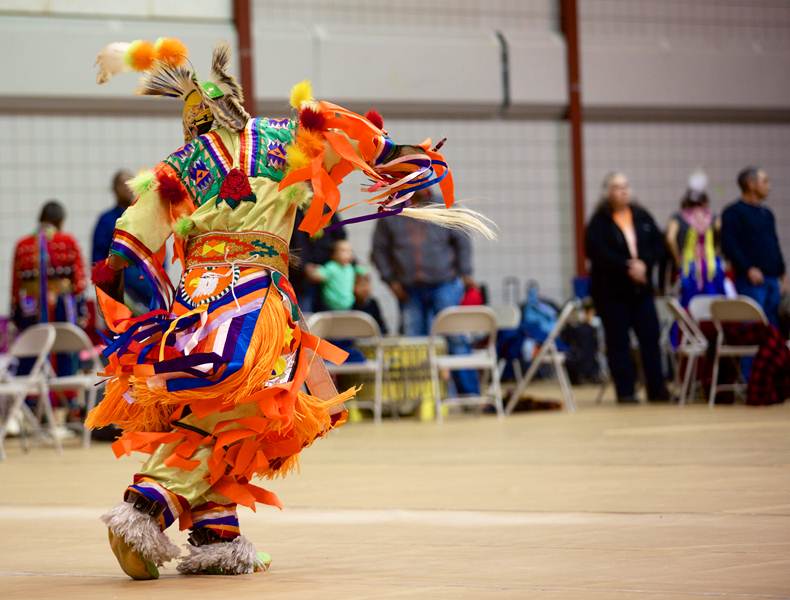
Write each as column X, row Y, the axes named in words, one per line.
column 152, row 408
column 266, row 446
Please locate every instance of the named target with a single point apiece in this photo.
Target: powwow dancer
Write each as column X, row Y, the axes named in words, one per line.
column 210, row 381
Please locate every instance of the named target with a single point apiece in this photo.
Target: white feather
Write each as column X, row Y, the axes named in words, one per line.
column 110, row 61
column 464, row 219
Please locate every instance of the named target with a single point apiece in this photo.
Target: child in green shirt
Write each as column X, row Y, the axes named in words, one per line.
column 337, row 277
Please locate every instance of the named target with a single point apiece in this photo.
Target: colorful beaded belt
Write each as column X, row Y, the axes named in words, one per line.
column 242, row 248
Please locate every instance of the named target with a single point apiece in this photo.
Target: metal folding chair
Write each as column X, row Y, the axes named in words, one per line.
column 466, row 320
column 693, row 345
column 354, row 325
column 550, row 354
column 734, row 310
column 35, row 342
column 70, row 339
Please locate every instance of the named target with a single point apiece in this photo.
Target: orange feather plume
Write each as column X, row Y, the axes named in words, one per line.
column 310, row 142
column 141, row 55
column 171, row 51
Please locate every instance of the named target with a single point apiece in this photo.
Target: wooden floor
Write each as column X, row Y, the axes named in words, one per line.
column 653, row 502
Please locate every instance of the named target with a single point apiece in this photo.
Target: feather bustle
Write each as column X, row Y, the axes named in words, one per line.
column 220, row 60
column 164, row 80
column 229, row 112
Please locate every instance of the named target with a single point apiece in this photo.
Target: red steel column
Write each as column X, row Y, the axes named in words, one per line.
column 242, row 19
column 570, row 29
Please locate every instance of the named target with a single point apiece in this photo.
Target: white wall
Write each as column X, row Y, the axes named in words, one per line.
column 515, row 173
column 515, row 170
column 192, row 10
column 659, row 157
column 71, row 159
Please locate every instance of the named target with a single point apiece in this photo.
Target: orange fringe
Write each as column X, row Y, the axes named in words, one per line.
column 266, row 445
column 152, row 408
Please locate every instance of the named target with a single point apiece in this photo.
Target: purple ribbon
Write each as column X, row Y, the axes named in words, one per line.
column 380, row 214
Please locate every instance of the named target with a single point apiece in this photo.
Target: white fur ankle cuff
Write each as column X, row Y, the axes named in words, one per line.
column 236, row 557
column 141, row 532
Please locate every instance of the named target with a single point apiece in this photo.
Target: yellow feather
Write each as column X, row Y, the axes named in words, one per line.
column 301, row 92
column 295, row 157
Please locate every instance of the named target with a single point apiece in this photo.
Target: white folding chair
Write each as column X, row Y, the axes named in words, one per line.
column 732, row 310
column 70, row 339
column 508, row 316
column 665, row 321
column 34, row 342
column 699, row 306
column 550, row 354
column 465, row 320
column 354, row 325
column 693, row 345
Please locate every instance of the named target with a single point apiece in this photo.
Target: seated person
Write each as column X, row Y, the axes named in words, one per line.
column 337, row 277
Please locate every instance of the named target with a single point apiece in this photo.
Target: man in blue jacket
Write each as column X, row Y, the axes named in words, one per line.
column 750, row 242
column 138, row 290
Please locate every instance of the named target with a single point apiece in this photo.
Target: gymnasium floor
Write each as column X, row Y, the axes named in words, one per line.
column 644, row 502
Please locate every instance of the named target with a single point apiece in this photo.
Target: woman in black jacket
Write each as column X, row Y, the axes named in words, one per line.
column 623, row 245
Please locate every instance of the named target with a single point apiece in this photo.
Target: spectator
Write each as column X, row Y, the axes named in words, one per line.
column 692, row 239
column 364, row 301
column 137, row 289
column 48, row 282
column 427, row 268
column 337, row 277
column 750, row 243
column 623, row 245
column 306, row 253
column 48, row 274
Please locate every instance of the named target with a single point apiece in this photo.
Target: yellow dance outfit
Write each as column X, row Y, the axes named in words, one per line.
column 210, row 382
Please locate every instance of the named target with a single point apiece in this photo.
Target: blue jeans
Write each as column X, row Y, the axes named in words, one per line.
column 766, row 295
column 417, row 313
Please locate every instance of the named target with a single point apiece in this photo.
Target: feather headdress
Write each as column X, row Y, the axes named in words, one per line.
column 167, row 71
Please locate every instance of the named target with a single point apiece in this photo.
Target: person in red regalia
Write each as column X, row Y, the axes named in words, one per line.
column 48, row 274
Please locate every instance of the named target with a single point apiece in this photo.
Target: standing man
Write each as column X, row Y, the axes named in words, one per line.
column 750, row 243
column 427, row 267
column 136, row 287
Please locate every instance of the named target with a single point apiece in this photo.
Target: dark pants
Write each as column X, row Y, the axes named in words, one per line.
column 619, row 316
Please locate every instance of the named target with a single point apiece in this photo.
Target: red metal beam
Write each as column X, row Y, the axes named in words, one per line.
column 242, row 19
column 570, row 29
